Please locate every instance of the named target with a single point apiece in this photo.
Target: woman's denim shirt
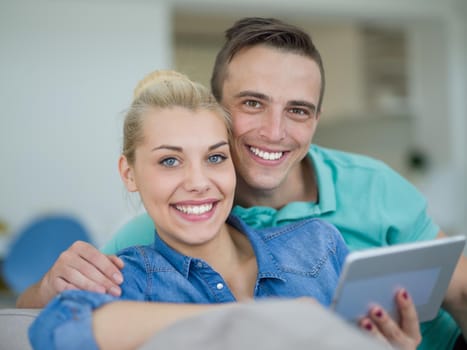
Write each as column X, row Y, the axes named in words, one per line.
column 299, row 259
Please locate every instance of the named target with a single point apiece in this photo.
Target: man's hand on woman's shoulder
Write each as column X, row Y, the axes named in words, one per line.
column 81, row 266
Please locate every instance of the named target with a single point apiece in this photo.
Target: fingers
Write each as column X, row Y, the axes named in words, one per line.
column 116, row 261
column 94, row 267
column 88, row 269
column 82, row 266
column 367, row 324
column 403, row 335
column 409, row 322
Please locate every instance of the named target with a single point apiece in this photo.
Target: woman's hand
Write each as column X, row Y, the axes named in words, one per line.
column 404, row 334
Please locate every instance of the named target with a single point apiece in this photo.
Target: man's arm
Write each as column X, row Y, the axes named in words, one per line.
column 455, row 301
column 84, row 267
column 81, row 266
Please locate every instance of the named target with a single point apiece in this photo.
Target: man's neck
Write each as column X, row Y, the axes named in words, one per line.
column 299, row 186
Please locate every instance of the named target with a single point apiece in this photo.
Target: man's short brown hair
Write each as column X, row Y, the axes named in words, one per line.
column 252, row 31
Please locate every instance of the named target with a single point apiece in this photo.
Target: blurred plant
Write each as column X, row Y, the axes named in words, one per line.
column 3, row 227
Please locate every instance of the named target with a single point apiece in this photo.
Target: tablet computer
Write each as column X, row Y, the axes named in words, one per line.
column 373, row 276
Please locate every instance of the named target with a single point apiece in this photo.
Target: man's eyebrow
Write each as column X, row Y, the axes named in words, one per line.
column 301, row 103
column 260, row 96
column 249, row 93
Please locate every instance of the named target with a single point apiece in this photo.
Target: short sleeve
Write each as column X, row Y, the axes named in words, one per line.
column 403, row 210
column 138, row 231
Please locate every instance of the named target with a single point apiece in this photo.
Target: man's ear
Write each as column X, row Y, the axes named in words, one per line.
column 127, row 174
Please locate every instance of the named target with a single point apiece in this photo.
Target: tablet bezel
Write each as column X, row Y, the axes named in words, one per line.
column 373, row 276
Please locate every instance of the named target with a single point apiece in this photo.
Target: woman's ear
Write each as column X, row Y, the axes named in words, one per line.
column 127, row 174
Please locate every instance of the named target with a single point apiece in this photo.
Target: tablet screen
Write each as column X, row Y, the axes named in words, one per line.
column 373, row 276
column 356, row 295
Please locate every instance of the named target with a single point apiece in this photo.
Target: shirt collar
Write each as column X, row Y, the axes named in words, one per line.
column 179, row 261
column 267, row 266
column 259, row 216
column 325, row 181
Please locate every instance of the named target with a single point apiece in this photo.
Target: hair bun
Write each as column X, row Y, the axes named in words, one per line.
column 157, row 77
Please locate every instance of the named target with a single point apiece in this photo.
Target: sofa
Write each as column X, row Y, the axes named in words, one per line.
column 14, row 324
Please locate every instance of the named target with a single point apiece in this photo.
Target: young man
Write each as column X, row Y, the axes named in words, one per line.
column 270, row 77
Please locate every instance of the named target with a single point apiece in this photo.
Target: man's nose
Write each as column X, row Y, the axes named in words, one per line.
column 273, row 125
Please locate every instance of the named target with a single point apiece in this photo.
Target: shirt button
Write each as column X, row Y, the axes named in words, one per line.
column 220, row 286
column 199, row 264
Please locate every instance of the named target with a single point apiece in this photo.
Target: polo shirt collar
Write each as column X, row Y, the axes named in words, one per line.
column 324, row 178
column 260, row 216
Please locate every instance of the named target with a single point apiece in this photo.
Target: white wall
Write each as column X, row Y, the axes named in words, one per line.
column 438, row 60
column 67, row 70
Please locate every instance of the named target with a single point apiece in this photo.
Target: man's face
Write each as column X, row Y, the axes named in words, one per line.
column 273, row 98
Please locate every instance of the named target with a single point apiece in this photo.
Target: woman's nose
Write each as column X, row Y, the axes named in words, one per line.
column 196, row 179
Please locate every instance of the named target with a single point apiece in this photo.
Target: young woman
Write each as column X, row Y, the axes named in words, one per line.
column 176, row 155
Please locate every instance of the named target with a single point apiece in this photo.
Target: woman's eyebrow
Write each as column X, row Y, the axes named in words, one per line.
column 180, row 149
column 217, row 145
column 172, row 148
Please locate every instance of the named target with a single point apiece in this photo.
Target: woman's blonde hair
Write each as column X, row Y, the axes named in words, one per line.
column 165, row 89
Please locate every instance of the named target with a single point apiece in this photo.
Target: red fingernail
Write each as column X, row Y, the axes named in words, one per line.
column 369, row 326
column 379, row 313
column 405, row 295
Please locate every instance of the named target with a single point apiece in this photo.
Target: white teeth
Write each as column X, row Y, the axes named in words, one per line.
column 266, row 155
column 194, row 209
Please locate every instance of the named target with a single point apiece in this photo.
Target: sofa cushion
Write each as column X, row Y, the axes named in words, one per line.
column 265, row 325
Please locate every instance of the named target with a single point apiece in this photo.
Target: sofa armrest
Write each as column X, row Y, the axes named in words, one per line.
column 14, row 324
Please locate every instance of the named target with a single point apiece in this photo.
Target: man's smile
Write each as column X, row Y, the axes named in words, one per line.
column 265, row 154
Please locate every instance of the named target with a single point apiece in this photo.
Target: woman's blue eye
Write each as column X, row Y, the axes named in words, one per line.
column 169, row 162
column 216, row 158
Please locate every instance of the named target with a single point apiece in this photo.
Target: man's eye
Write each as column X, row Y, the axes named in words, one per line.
column 216, row 158
column 252, row 104
column 299, row 111
column 169, row 162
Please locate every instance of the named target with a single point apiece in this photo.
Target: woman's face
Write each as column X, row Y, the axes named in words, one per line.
column 184, row 174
